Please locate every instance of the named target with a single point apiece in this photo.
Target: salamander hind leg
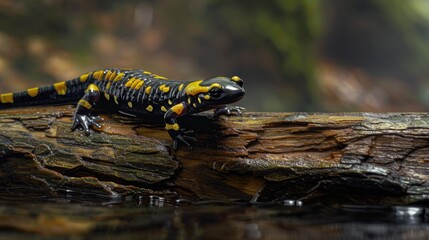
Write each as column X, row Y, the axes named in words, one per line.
column 173, row 128
column 82, row 117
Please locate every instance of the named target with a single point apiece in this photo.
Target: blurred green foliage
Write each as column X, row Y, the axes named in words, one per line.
column 387, row 37
column 276, row 46
column 268, row 42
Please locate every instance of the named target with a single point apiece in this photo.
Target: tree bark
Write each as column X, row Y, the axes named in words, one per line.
column 378, row 158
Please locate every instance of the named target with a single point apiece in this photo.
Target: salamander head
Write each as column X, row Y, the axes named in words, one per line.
column 216, row 91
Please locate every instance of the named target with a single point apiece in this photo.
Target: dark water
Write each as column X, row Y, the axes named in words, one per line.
column 153, row 217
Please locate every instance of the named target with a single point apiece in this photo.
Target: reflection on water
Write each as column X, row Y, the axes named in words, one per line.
column 154, row 217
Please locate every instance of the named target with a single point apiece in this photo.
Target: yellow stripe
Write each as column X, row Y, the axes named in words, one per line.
column 170, row 102
column 84, row 77
column 181, row 87
column 108, row 85
column 6, row 98
column 159, row 77
column 195, row 88
column 61, row 88
column 147, row 90
column 98, row 75
column 236, row 78
column 135, row 83
column 130, row 104
column 119, row 77
column 111, row 77
column 107, row 96
column 85, row 104
column 169, row 126
column 163, row 109
column 115, row 98
column 32, row 92
column 130, row 82
column 108, row 75
column 146, row 72
column 139, row 85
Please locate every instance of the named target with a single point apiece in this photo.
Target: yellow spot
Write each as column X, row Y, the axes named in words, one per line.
column 181, row 87
column 107, row 76
column 108, row 85
column 163, row 109
column 178, row 109
column 147, row 90
column 92, row 88
column 170, row 102
column 61, row 88
column 115, row 98
column 84, row 77
column 189, row 100
column 32, row 92
column 6, row 98
column 169, row 126
column 84, row 104
column 107, row 96
column 199, row 100
column 129, row 82
column 98, row 75
column 194, row 88
column 164, row 88
column 149, row 108
column 112, row 76
column 236, row 78
column 130, row 104
column 146, row 72
column 159, row 77
column 119, row 77
column 139, row 85
column 206, row 97
column 135, row 83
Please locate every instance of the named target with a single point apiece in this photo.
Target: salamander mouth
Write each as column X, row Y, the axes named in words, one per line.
column 231, row 98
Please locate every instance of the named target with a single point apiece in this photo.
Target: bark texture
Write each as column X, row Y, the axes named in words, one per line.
column 343, row 157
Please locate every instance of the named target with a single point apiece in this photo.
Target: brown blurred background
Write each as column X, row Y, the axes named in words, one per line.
column 294, row 55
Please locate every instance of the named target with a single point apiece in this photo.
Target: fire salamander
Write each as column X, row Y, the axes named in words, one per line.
column 134, row 92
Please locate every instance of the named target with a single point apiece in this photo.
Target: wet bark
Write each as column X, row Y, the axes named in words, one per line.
column 344, row 157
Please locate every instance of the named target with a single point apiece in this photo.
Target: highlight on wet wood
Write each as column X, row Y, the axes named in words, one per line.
column 257, row 157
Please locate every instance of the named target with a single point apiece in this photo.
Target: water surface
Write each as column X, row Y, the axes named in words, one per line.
column 153, row 217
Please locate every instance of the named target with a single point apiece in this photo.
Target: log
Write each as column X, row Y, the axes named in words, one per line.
column 365, row 158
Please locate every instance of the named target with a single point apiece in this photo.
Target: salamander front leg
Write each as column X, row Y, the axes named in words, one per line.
column 228, row 110
column 82, row 116
column 173, row 128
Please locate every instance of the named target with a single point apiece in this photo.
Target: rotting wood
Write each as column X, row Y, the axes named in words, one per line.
column 345, row 157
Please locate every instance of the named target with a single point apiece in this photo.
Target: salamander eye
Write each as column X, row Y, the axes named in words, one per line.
column 215, row 92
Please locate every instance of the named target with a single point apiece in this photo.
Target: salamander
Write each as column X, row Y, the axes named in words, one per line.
column 137, row 93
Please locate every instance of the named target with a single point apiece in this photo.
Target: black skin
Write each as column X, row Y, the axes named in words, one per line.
column 136, row 93
column 230, row 91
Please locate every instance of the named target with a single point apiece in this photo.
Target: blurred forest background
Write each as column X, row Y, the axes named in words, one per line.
column 294, row 55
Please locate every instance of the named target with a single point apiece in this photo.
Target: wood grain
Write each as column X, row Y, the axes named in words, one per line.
column 344, row 157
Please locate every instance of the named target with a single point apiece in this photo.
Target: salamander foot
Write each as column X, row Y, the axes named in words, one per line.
column 85, row 123
column 228, row 110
